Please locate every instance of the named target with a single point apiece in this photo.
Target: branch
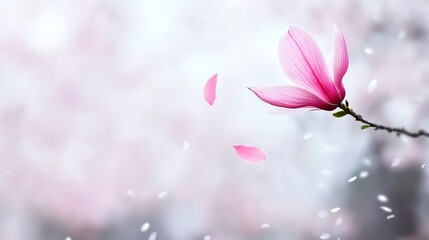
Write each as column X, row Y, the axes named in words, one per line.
column 349, row 111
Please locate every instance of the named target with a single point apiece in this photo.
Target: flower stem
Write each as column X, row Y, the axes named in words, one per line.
column 398, row 131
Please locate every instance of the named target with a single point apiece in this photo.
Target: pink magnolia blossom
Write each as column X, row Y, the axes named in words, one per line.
column 303, row 62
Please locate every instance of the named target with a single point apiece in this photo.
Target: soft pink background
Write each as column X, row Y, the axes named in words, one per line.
column 99, row 100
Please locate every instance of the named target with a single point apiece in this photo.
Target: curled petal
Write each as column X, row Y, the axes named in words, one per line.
column 210, row 89
column 303, row 62
column 341, row 60
column 291, row 97
column 250, row 154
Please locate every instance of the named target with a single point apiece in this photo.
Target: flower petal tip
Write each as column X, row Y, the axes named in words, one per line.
column 292, row 28
column 254, row 89
column 250, row 154
column 337, row 28
column 210, row 89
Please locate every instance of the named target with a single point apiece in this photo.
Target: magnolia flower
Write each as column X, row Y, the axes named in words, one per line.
column 303, row 62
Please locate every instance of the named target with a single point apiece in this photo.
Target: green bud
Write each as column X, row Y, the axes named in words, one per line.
column 365, row 127
column 339, row 114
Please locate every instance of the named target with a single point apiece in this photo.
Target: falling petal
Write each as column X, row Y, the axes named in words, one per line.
column 152, row 236
column 250, row 154
column 363, row 174
column 423, row 165
column 352, row 179
column 145, row 227
column 265, row 225
column 382, row 198
column 210, row 89
column 207, row 237
column 162, row 195
column 386, row 209
column 390, row 216
column 372, row 85
column 325, row 236
column 68, row 238
column 334, row 210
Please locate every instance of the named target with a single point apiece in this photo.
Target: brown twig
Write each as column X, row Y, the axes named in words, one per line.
column 369, row 124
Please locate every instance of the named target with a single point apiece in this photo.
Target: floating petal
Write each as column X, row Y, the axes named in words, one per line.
column 386, row 209
column 152, row 236
column 372, row 85
column 325, row 236
column 352, row 179
column 145, row 227
column 334, row 210
column 210, row 89
column 382, row 198
column 250, row 154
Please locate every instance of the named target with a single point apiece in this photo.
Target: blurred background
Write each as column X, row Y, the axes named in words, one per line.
column 105, row 134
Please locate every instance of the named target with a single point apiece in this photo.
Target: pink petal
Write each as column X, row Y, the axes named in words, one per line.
column 250, row 154
column 210, row 89
column 341, row 60
column 291, row 97
column 303, row 62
